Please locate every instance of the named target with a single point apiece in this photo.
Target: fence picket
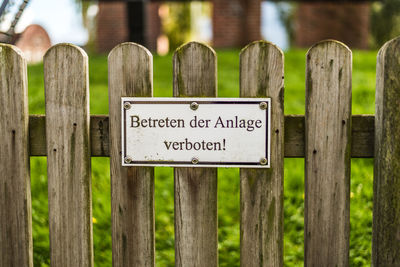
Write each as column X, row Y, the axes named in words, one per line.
column 327, row 137
column 261, row 190
column 15, row 184
column 130, row 71
column 386, row 215
column 68, row 156
column 196, row 244
column 327, row 155
column 362, row 140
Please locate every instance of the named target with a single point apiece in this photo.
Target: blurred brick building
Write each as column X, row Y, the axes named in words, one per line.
column 235, row 23
column 345, row 22
column 119, row 22
column 33, row 42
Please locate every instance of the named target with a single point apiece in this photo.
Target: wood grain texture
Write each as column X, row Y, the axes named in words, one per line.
column 362, row 145
column 66, row 84
column 362, row 136
column 261, row 190
column 15, row 186
column 386, row 215
column 196, row 243
column 130, row 71
column 327, row 155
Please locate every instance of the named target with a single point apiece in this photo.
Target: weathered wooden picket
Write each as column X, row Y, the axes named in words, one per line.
column 327, row 137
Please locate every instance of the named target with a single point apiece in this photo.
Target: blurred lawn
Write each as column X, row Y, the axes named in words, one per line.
column 228, row 179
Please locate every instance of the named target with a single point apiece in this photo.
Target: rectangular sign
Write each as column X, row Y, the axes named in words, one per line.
column 196, row 132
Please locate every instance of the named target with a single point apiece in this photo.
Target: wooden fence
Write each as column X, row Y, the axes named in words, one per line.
column 327, row 137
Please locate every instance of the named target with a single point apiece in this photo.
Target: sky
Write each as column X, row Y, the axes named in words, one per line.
column 60, row 18
column 63, row 22
column 271, row 27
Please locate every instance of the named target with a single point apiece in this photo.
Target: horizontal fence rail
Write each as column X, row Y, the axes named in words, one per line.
column 362, row 136
column 327, row 137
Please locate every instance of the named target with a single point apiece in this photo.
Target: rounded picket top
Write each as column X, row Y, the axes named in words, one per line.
column 388, row 60
column 13, row 66
column 10, row 53
column 260, row 45
column 66, row 50
column 195, row 70
column 261, row 61
column 391, row 47
column 329, row 57
column 123, row 48
column 13, row 69
column 328, row 44
column 390, row 43
column 7, row 49
column 65, row 61
column 130, row 71
column 192, row 47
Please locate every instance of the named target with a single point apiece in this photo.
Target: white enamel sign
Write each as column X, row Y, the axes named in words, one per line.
column 196, row 132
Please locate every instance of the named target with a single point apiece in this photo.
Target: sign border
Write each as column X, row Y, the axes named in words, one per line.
column 188, row 101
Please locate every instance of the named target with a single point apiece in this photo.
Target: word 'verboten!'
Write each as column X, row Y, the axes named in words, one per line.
column 200, row 145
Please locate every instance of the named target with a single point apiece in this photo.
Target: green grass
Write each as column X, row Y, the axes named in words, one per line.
column 228, row 179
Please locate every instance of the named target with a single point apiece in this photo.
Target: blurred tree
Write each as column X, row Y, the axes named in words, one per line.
column 287, row 12
column 88, row 22
column 5, row 9
column 176, row 23
column 385, row 18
